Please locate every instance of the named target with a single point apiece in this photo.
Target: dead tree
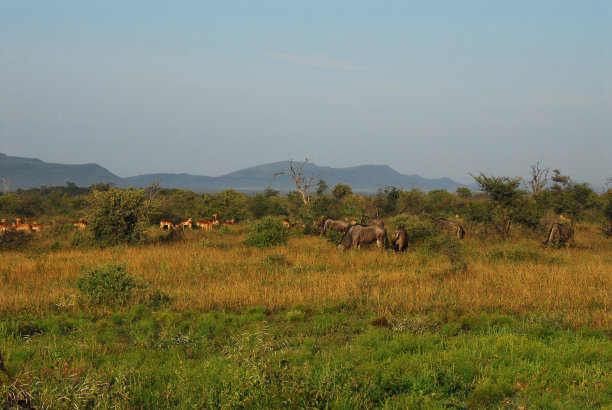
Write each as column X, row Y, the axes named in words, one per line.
column 539, row 179
column 6, row 185
column 303, row 183
column 153, row 191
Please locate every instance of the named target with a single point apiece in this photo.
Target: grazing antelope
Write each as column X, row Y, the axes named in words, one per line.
column 205, row 224
column 36, row 227
column 164, row 223
column 4, row 226
column 185, row 223
column 22, row 226
column 229, row 222
column 287, row 223
column 80, row 224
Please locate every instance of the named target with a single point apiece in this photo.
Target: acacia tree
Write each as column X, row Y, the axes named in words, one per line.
column 505, row 193
column 302, row 182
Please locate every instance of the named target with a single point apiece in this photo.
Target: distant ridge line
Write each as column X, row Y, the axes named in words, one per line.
column 24, row 173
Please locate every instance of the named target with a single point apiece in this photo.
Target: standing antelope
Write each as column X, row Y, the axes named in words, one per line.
column 22, row 226
column 164, row 223
column 185, row 223
column 80, row 224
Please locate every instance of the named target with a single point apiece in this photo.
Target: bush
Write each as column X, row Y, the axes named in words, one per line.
column 12, row 240
column 107, row 284
column 268, row 231
column 118, row 216
column 445, row 244
column 416, row 228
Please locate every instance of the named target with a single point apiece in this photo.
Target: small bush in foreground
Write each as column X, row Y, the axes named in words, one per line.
column 108, row 284
column 266, row 232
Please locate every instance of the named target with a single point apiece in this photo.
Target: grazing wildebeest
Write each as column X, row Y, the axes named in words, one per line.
column 560, row 233
column 358, row 234
column 451, row 227
column 333, row 224
column 399, row 240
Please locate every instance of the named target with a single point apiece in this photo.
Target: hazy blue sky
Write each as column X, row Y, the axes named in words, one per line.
column 437, row 88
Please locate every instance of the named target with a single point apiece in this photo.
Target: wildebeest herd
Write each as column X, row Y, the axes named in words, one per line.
column 354, row 235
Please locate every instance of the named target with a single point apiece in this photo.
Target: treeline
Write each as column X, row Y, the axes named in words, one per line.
column 501, row 204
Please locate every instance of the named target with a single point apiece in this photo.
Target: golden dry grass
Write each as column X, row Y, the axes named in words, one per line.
column 211, row 270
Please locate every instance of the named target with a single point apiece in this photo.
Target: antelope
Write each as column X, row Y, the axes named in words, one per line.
column 205, row 224
column 36, row 227
column 184, row 223
column 565, row 218
column 216, row 221
column 80, row 224
column 164, row 223
column 4, row 226
column 287, row 223
column 22, row 226
column 352, row 221
column 229, row 222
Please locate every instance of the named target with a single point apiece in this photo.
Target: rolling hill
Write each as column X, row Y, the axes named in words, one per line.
column 23, row 173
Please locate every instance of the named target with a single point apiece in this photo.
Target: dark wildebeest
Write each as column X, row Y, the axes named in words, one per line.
column 451, row 227
column 333, row 224
column 560, row 233
column 399, row 240
column 358, row 234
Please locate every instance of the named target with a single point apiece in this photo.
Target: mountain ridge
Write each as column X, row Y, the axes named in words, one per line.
column 24, row 173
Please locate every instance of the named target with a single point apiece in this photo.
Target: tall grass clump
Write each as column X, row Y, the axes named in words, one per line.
column 107, row 284
column 268, row 231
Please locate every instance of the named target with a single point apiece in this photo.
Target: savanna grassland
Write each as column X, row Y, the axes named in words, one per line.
column 205, row 321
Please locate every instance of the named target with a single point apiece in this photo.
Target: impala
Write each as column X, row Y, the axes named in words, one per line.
column 22, row 226
column 164, row 223
column 185, row 223
column 80, row 224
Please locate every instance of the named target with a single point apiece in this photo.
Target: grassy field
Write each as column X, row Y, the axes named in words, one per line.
column 211, row 322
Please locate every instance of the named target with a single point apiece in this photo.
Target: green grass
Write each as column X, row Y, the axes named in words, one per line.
column 329, row 357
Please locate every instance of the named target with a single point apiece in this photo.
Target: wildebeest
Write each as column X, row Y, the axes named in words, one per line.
column 560, row 233
column 399, row 240
column 358, row 234
column 333, row 224
column 451, row 227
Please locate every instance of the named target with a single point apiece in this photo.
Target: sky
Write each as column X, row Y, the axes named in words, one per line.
column 435, row 88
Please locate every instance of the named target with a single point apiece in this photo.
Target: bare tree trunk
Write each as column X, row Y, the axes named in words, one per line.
column 303, row 184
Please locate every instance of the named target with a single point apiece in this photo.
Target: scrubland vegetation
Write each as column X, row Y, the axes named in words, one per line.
column 250, row 315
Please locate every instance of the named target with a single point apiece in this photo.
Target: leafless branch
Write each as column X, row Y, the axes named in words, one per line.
column 303, row 184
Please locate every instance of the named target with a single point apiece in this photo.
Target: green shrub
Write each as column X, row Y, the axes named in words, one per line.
column 334, row 237
column 416, row 228
column 118, row 216
column 268, row 231
column 445, row 244
column 107, row 284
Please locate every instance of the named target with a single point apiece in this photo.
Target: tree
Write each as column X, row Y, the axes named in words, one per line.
column 341, row 190
column 539, row 178
column 504, row 192
column 303, row 183
column 322, row 187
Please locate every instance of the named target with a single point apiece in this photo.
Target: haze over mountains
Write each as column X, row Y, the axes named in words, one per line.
column 23, row 173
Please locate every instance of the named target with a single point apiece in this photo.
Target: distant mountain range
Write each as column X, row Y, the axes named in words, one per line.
column 23, row 173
